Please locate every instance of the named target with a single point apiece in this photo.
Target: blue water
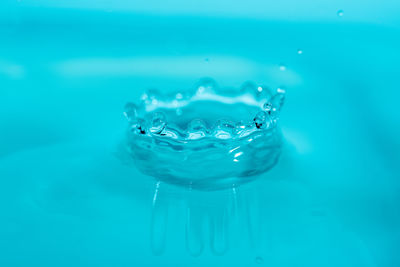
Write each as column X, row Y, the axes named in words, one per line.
column 68, row 197
column 206, row 137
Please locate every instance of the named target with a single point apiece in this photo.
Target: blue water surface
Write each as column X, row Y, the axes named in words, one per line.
column 69, row 197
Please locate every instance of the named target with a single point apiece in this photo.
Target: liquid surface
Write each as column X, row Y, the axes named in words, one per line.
column 67, row 200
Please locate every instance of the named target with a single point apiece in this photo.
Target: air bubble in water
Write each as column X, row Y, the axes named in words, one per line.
column 340, row 13
column 282, row 67
column 299, row 51
column 158, row 123
column 130, row 111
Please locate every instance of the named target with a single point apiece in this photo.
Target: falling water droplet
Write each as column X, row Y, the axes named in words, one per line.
column 340, row 13
column 259, row 260
column 130, row 111
column 158, row 123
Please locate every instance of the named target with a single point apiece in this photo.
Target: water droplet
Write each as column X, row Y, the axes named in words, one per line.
column 197, row 129
column 282, row 67
column 299, row 51
column 340, row 13
column 259, row 260
column 130, row 111
column 267, row 106
column 262, row 120
column 206, row 85
column 158, row 123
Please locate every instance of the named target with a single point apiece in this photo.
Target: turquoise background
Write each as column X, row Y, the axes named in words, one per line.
column 69, row 197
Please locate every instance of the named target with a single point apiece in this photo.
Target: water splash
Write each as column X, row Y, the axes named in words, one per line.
column 176, row 137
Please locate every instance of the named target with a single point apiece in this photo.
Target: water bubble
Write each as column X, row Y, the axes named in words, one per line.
column 282, row 67
column 197, row 129
column 267, row 106
column 262, row 120
column 130, row 111
column 340, row 13
column 299, row 51
column 259, row 260
column 158, row 123
column 206, row 85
